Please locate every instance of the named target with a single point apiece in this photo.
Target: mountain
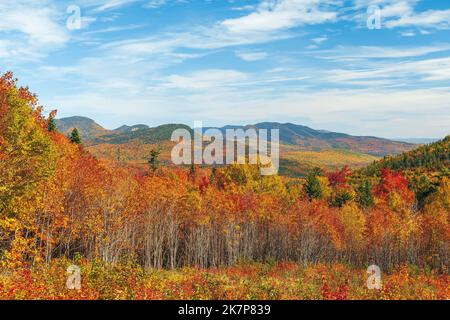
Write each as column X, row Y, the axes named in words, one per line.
column 418, row 140
column 141, row 133
column 292, row 135
column 128, row 129
column 309, row 139
column 431, row 157
column 92, row 133
column 87, row 128
column 302, row 148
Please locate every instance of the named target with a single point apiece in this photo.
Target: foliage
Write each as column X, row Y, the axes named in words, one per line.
column 59, row 203
column 241, row 282
column 75, row 136
column 434, row 156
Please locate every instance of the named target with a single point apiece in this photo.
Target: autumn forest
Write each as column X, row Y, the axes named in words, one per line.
column 163, row 232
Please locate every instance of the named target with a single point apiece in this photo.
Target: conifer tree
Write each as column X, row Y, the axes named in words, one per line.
column 154, row 161
column 365, row 197
column 75, row 136
column 51, row 124
column 312, row 187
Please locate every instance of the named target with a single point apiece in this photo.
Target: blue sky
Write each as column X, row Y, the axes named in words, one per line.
column 311, row 62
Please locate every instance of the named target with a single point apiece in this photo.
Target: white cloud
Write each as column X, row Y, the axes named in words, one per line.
column 410, row 73
column 402, row 13
column 366, row 52
column 113, row 4
column 5, row 48
column 320, row 40
column 407, row 34
column 30, row 30
column 114, row 29
column 268, row 23
column 205, row 79
column 38, row 22
column 397, row 9
column 439, row 19
column 156, row 3
column 252, row 56
column 280, row 15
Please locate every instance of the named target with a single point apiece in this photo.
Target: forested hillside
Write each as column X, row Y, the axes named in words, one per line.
column 433, row 157
column 425, row 168
column 59, row 205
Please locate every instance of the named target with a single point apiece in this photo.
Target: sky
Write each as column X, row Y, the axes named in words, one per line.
column 363, row 67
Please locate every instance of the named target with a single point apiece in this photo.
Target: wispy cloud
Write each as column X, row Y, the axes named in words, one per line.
column 37, row 21
column 348, row 53
column 320, row 40
column 206, row 79
column 404, row 13
column 113, row 4
column 271, row 16
column 399, row 73
column 30, row 29
column 439, row 19
column 156, row 3
column 252, row 56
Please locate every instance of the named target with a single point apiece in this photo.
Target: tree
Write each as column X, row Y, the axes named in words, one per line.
column 339, row 178
column 51, row 126
column 342, row 191
column 364, row 195
column 394, row 189
column 154, row 161
column 313, row 187
column 422, row 187
column 28, row 160
column 341, row 198
column 75, row 136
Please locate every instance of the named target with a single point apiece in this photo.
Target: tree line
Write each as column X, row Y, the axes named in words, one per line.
column 57, row 200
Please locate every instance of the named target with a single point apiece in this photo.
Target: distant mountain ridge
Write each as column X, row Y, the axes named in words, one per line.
column 87, row 128
column 418, row 140
column 311, row 139
column 292, row 136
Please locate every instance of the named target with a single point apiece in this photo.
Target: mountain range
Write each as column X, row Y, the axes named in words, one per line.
column 301, row 147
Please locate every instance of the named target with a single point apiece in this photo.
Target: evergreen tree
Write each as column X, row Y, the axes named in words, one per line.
column 365, row 197
column 313, row 187
column 52, row 125
column 75, row 136
column 154, row 161
column 341, row 198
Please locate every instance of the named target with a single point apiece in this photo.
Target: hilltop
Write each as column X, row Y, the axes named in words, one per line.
column 301, row 147
column 432, row 157
column 87, row 128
